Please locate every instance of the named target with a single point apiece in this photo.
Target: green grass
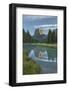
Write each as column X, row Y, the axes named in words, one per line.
column 43, row 44
column 29, row 66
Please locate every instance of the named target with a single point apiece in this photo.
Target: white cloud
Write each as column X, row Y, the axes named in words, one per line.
column 46, row 26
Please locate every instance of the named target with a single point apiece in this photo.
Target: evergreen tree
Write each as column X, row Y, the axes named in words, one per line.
column 53, row 37
column 26, row 37
column 49, row 36
column 56, row 35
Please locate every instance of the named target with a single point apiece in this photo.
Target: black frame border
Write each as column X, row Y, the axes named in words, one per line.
column 12, row 43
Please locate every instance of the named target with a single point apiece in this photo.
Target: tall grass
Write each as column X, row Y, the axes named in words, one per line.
column 29, row 66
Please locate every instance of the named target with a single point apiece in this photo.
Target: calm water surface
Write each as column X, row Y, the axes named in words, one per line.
column 46, row 57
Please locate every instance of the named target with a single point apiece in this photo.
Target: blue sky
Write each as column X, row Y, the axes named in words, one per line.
column 31, row 22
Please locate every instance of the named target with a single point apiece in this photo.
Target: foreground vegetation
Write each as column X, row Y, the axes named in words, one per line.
column 29, row 66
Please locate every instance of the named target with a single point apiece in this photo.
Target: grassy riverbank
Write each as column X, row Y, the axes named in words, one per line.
column 29, row 66
column 42, row 44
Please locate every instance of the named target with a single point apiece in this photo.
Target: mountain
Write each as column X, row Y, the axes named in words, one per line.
column 39, row 35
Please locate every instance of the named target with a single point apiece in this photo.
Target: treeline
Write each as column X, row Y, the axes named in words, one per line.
column 27, row 38
column 51, row 37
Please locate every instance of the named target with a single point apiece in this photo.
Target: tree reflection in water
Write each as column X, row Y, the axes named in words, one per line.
column 46, row 55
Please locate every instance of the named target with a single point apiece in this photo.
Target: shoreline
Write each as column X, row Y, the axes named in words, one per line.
column 41, row 44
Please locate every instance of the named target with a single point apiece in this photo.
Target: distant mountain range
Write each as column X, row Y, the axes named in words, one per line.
column 39, row 35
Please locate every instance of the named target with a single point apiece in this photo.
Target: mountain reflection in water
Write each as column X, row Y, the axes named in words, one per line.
column 46, row 57
column 43, row 56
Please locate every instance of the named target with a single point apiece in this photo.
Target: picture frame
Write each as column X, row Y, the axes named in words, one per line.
column 45, row 17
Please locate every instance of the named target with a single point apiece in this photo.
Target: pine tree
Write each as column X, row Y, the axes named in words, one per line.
column 49, row 36
column 53, row 37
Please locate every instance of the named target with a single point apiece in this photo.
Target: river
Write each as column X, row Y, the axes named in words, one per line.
column 46, row 57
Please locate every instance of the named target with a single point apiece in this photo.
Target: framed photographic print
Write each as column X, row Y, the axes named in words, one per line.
column 37, row 44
